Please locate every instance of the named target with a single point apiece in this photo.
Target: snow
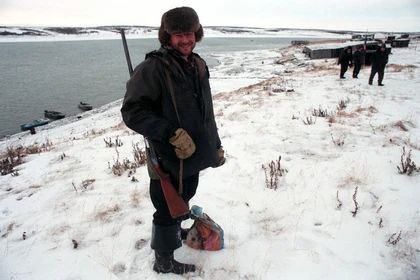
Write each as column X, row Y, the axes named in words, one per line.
column 297, row 231
column 134, row 32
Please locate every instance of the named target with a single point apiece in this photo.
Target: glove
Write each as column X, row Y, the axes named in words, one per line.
column 184, row 145
column 221, row 156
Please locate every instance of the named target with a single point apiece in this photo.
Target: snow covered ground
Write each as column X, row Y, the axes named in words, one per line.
column 306, row 227
column 22, row 34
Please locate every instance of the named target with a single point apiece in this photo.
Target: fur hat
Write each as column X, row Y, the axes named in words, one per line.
column 179, row 20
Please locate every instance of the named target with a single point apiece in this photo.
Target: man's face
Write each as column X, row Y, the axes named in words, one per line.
column 183, row 42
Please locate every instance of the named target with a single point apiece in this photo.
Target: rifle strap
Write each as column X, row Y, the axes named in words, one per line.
column 181, row 161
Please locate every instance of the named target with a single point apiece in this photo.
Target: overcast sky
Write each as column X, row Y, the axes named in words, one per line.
column 362, row 15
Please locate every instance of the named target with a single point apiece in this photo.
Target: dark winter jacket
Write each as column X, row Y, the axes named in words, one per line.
column 358, row 57
column 379, row 59
column 148, row 108
column 345, row 58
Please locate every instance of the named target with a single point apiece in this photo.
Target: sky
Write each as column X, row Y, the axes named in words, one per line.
column 360, row 15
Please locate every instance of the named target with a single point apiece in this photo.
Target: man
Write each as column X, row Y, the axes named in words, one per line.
column 168, row 100
column 358, row 60
column 379, row 61
column 345, row 60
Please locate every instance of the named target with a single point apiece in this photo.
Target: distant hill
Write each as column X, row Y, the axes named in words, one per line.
column 17, row 33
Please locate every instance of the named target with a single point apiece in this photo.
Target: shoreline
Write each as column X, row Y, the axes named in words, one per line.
column 140, row 34
column 214, row 59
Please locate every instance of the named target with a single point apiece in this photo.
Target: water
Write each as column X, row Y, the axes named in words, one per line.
column 38, row 76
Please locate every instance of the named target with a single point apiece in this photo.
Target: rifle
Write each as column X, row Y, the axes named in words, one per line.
column 176, row 205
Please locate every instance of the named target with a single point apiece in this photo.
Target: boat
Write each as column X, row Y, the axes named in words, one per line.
column 85, row 106
column 53, row 115
column 35, row 123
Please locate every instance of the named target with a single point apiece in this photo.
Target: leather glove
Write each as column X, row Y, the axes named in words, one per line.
column 221, row 156
column 184, row 145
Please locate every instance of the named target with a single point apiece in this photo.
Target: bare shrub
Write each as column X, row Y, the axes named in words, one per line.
column 13, row 156
column 394, row 238
column 408, row 166
column 309, row 121
column 273, row 172
column 339, row 141
column 339, row 202
column 140, row 157
column 321, row 113
column 84, row 185
column 118, row 168
column 342, row 104
column 134, row 179
column 109, row 143
column 356, row 205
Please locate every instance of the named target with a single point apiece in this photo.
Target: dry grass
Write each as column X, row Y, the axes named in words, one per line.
column 404, row 125
column 106, row 214
column 8, row 230
column 344, row 114
column 400, row 67
column 135, row 198
column 261, row 88
column 94, row 133
column 370, row 109
column 14, row 156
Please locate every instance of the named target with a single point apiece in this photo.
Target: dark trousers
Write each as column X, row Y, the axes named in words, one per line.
column 373, row 72
column 356, row 69
column 166, row 231
column 343, row 69
column 162, row 216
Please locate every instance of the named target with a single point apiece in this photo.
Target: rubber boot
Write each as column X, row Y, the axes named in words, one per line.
column 165, row 240
column 165, row 263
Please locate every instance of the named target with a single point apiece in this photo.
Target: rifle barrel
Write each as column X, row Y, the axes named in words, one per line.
column 127, row 54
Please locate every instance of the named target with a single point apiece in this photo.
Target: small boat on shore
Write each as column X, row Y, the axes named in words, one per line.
column 85, row 106
column 35, row 123
column 53, row 115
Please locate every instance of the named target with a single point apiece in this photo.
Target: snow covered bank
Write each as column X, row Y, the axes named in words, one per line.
column 341, row 210
column 27, row 34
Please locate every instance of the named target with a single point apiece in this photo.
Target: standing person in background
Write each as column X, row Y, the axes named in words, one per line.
column 345, row 60
column 379, row 61
column 358, row 60
column 168, row 100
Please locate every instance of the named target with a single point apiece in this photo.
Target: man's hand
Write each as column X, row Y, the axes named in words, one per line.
column 184, row 145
